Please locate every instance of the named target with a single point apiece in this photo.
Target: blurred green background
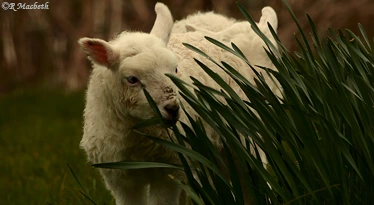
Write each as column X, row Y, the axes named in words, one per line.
column 40, row 131
column 43, row 74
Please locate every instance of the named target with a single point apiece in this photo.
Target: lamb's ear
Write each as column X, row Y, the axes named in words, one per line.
column 163, row 23
column 100, row 52
column 192, row 28
column 269, row 15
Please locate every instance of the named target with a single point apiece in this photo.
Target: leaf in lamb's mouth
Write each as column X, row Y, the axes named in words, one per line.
column 155, row 121
column 169, row 123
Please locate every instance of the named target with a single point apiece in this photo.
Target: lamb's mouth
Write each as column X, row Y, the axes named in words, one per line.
column 169, row 122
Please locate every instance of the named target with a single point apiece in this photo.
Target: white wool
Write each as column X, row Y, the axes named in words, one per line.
column 115, row 100
column 208, row 20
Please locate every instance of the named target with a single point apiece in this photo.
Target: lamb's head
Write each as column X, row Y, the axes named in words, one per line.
column 137, row 61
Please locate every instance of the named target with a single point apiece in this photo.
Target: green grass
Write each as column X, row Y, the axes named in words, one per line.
column 40, row 132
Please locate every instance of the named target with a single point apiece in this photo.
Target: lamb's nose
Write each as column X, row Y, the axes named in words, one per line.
column 172, row 110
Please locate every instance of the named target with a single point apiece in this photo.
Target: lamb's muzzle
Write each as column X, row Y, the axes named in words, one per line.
column 172, row 110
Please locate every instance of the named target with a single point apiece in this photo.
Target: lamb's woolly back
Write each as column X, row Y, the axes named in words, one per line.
column 210, row 21
column 239, row 27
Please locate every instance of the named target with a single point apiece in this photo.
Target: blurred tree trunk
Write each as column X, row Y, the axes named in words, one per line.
column 9, row 51
column 8, row 45
column 115, row 17
column 16, row 44
column 141, row 10
column 99, row 19
column 72, row 72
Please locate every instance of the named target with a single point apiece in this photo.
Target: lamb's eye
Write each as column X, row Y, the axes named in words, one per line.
column 132, row 80
column 176, row 70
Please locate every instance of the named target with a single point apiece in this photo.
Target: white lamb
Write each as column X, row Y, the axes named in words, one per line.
column 115, row 102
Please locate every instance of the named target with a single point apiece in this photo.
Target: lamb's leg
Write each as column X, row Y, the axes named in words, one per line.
column 126, row 190
column 164, row 191
column 130, row 195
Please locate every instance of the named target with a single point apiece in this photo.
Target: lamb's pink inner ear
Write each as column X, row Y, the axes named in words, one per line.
column 98, row 52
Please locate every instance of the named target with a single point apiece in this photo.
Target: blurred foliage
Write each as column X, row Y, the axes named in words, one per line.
column 40, row 46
